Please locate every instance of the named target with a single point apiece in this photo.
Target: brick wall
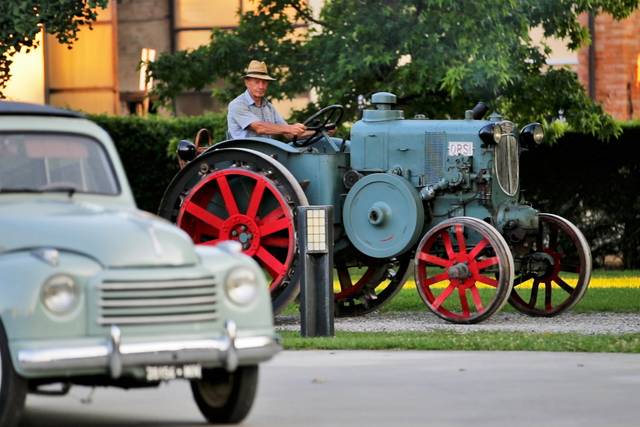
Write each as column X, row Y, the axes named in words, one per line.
column 617, row 65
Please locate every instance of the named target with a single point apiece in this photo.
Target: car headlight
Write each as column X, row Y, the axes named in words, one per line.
column 241, row 286
column 60, row 294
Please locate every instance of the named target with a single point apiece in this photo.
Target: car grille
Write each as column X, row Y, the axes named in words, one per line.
column 157, row 301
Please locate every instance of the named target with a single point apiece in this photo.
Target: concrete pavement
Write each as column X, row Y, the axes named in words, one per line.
column 388, row 388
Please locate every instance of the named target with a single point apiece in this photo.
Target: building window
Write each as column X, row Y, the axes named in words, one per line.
column 84, row 77
column 194, row 20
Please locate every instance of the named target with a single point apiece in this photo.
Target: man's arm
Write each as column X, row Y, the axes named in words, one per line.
column 266, row 128
column 279, row 127
column 240, row 117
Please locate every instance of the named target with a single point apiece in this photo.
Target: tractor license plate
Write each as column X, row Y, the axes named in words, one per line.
column 457, row 148
column 169, row 372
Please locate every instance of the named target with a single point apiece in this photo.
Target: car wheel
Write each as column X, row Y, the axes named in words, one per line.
column 226, row 397
column 13, row 388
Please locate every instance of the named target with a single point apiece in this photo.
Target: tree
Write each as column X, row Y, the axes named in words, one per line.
column 438, row 56
column 22, row 20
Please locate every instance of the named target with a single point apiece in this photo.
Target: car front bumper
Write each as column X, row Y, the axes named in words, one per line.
column 116, row 355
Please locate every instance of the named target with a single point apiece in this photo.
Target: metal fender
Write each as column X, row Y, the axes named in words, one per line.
column 259, row 144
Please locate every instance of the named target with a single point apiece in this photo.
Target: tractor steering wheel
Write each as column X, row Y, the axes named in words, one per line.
column 326, row 119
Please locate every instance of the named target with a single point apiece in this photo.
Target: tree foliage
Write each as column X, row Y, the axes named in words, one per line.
column 22, row 20
column 438, row 56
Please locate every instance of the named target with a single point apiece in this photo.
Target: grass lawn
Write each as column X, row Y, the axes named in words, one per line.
column 611, row 300
column 609, row 291
column 442, row 340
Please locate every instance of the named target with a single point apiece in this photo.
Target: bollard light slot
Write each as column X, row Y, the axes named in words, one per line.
column 316, row 231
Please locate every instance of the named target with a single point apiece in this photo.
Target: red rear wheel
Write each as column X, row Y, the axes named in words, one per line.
column 247, row 196
column 366, row 284
column 247, row 207
column 464, row 270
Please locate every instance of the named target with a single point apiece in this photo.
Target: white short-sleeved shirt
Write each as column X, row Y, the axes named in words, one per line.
column 243, row 111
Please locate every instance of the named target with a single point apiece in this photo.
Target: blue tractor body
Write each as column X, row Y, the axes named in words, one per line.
column 444, row 194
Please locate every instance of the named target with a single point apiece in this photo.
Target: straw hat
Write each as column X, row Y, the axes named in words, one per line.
column 257, row 70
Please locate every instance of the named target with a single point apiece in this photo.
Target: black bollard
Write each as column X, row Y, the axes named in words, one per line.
column 315, row 234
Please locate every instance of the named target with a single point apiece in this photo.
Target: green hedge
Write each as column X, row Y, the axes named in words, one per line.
column 592, row 183
column 595, row 184
column 143, row 147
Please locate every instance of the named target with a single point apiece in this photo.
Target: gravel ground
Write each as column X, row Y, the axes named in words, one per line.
column 591, row 324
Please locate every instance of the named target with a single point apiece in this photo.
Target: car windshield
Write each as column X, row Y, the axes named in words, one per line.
column 39, row 162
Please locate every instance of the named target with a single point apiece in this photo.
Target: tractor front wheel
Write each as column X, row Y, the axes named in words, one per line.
column 554, row 276
column 464, row 270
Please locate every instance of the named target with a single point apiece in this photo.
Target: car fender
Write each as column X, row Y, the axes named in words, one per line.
column 22, row 275
column 253, row 316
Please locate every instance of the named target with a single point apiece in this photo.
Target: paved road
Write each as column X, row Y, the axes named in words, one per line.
column 389, row 388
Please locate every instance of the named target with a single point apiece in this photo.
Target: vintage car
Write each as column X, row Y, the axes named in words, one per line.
column 96, row 292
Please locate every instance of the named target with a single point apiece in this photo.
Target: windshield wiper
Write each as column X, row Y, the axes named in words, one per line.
column 61, row 189
column 19, row 190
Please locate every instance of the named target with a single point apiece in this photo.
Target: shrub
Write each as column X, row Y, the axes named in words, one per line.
column 594, row 184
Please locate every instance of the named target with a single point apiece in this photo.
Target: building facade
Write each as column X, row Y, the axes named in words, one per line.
column 100, row 74
column 83, row 78
column 610, row 67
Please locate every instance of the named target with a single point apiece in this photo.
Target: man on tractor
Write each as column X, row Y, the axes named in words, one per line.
column 251, row 114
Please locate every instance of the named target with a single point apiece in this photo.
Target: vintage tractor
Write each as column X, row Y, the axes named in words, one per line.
column 442, row 193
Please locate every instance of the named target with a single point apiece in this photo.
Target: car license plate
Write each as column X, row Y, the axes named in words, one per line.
column 169, row 372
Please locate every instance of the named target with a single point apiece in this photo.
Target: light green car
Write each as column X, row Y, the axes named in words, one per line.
column 96, row 292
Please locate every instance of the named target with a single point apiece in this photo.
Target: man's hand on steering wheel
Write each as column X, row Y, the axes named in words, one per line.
column 323, row 121
column 297, row 129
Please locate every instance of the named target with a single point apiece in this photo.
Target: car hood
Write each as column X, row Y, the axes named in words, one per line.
column 114, row 237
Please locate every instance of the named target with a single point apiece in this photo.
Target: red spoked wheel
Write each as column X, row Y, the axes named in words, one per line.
column 464, row 270
column 366, row 284
column 246, row 196
column 554, row 276
column 245, row 206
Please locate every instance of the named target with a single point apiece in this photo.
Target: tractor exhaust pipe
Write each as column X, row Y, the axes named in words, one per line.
column 479, row 111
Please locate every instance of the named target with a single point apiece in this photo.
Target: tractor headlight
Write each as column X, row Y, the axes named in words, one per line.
column 491, row 134
column 186, row 150
column 497, row 133
column 241, row 286
column 532, row 134
column 60, row 294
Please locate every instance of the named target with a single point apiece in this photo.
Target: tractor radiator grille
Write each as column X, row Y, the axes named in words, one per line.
column 157, row 302
column 507, row 160
column 435, row 158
